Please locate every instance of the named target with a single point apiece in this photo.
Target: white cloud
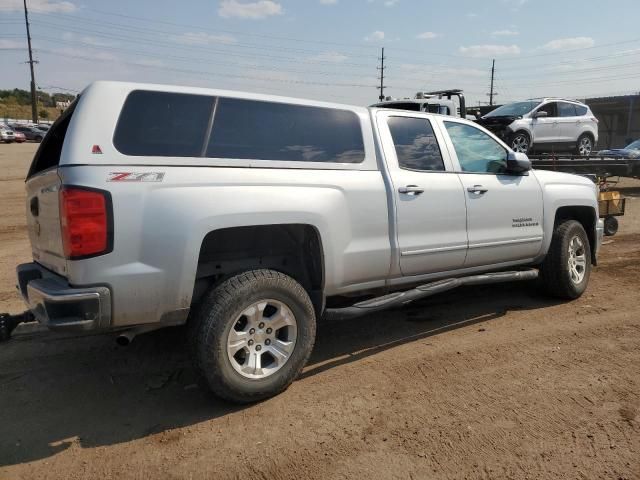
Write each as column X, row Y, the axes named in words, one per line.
column 11, row 44
column 515, row 4
column 250, row 10
column 37, row 6
column 427, row 35
column 88, row 40
column 202, row 38
column 328, row 2
column 375, row 36
column 479, row 51
column 505, row 33
column 83, row 52
column 333, row 57
column 391, row 3
column 422, row 71
column 569, row 43
column 472, row 15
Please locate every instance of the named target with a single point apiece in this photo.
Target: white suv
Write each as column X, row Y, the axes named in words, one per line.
column 547, row 125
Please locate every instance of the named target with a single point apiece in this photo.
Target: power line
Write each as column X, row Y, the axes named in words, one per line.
column 155, row 42
column 185, row 59
column 208, row 73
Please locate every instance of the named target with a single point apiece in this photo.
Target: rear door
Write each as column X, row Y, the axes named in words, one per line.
column 504, row 211
column 568, row 126
column 430, row 201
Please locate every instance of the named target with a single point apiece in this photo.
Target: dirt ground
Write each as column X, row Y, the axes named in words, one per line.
column 488, row 382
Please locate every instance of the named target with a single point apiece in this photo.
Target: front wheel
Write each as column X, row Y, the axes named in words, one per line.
column 567, row 266
column 521, row 142
column 252, row 335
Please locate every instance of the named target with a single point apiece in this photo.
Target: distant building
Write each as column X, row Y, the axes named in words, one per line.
column 63, row 105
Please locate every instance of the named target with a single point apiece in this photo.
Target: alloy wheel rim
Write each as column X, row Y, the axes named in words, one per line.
column 262, row 339
column 520, row 144
column 577, row 260
column 585, row 146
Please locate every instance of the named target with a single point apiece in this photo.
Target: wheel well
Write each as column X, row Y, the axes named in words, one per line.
column 587, row 217
column 293, row 249
column 590, row 135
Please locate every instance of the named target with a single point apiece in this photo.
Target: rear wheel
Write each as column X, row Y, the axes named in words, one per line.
column 567, row 266
column 584, row 146
column 252, row 335
column 610, row 226
column 520, row 142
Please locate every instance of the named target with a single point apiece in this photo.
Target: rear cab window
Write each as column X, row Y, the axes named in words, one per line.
column 49, row 151
column 183, row 125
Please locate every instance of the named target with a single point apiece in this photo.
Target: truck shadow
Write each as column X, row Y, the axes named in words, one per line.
column 66, row 392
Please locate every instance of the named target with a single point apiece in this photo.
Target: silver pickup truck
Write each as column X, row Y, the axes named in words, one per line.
column 247, row 217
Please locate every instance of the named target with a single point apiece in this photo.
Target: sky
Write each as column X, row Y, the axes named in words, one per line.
column 330, row 49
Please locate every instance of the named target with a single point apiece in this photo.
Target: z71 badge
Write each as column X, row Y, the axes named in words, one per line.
column 135, row 177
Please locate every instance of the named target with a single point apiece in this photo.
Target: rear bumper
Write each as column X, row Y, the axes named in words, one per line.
column 57, row 305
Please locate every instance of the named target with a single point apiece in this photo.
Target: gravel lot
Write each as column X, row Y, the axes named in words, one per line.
column 484, row 382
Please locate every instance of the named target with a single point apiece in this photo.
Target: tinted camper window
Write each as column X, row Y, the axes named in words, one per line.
column 163, row 124
column 248, row 129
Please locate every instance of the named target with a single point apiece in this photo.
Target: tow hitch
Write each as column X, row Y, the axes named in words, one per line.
column 9, row 322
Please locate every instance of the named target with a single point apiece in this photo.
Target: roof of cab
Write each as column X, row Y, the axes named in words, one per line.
column 105, row 85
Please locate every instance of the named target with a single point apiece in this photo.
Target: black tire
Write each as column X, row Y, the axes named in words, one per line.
column 610, row 226
column 518, row 139
column 38, row 139
column 556, row 272
column 218, row 313
column 580, row 148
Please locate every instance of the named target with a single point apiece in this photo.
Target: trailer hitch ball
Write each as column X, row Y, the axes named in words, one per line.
column 9, row 322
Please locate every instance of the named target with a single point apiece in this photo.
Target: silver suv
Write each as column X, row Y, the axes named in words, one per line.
column 546, row 125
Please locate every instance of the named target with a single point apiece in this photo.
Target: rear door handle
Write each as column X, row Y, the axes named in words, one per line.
column 478, row 189
column 411, row 190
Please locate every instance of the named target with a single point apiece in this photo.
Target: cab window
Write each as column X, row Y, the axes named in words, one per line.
column 415, row 143
column 477, row 152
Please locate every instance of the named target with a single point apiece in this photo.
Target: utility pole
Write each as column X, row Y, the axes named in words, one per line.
column 381, row 68
column 491, row 93
column 34, row 101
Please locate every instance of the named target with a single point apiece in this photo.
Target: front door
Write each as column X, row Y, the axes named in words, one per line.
column 430, row 202
column 504, row 212
column 545, row 129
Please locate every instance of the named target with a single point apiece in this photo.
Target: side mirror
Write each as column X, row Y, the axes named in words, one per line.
column 540, row 114
column 518, row 162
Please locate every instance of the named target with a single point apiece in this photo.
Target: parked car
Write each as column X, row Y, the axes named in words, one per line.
column 19, row 137
column 267, row 213
column 31, row 133
column 43, row 127
column 546, row 125
column 630, row 151
column 7, row 135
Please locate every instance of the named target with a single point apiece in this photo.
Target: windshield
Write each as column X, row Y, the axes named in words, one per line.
column 513, row 109
column 633, row 145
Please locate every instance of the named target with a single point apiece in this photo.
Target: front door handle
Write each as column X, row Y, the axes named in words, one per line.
column 477, row 189
column 411, row 190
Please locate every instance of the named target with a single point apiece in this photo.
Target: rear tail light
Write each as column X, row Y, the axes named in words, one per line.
column 87, row 222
